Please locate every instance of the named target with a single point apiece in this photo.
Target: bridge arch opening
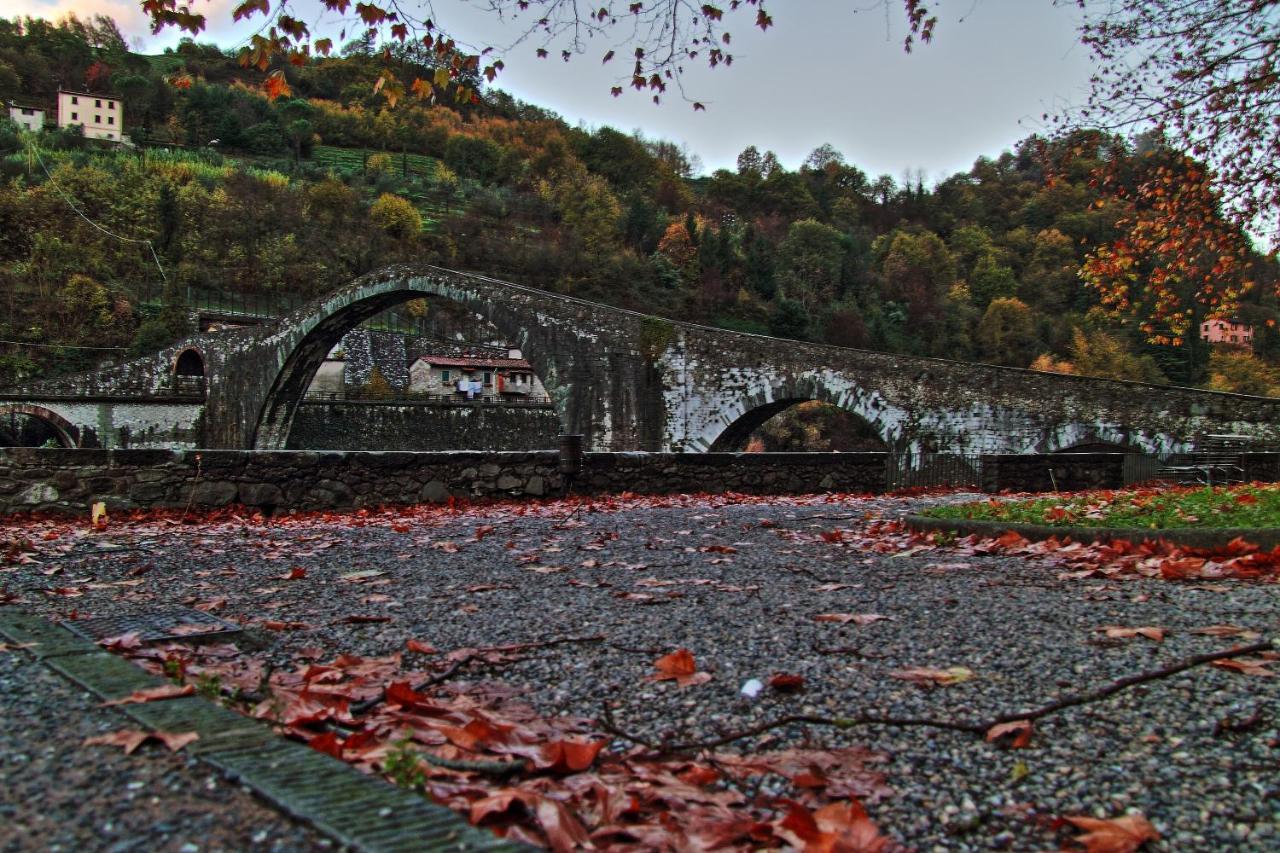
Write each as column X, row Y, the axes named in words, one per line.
column 189, row 363
column 437, row 371
column 36, row 426
column 799, row 424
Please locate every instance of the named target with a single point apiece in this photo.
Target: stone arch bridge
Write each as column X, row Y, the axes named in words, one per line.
column 626, row 381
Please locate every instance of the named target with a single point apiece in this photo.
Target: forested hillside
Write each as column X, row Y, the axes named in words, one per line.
column 1086, row 252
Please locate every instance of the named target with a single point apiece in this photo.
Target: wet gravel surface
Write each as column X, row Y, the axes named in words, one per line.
column 56, row 794
column 739, row 585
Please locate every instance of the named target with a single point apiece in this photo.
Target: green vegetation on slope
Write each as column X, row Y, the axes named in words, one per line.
column 1250, row 505
column 267, row 199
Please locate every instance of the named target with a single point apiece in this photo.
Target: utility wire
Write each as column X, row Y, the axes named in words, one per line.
column 59, row 346
column 71, row 204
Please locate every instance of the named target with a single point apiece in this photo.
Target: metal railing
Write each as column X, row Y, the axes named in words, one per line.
column 930, row 470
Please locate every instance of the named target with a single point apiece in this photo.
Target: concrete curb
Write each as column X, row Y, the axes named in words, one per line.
column 361, row 812
column 1191, row 537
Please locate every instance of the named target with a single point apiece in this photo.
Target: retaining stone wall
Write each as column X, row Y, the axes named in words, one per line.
column 38, row 479
column 389, row 426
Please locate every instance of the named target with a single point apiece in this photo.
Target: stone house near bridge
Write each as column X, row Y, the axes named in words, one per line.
column 476, row 377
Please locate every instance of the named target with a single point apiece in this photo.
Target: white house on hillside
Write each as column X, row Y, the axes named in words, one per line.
column 30, row 119
column 101, row 116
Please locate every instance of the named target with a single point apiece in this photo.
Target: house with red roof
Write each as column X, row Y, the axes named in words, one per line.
column 476, row 377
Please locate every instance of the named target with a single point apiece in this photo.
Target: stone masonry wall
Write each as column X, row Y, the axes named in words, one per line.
column 389, row 426
column 36, row 479
column 59, row 480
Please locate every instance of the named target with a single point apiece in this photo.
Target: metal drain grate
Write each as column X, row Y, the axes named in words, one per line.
column 180, row 624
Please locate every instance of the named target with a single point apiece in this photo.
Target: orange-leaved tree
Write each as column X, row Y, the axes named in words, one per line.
column 1178, row 258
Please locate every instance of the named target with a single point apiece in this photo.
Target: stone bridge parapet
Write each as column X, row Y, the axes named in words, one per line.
column 631, row 382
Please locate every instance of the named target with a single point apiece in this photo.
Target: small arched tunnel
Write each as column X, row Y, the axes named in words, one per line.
column 35, row 426
column 305, row 359
column 799, row 424
column 189, row 363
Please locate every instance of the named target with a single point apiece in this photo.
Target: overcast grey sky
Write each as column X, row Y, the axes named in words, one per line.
column 823, row 74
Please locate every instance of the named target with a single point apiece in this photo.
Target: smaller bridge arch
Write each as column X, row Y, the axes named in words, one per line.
column 189, row 363
column 67, row 433
column 746, row 414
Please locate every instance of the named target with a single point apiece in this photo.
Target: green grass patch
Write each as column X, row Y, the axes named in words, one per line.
column 1249, row 505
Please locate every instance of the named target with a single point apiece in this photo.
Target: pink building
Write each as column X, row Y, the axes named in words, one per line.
column 1231, row 332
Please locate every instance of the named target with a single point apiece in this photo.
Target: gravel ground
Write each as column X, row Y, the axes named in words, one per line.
column 56, row 794
column 739, row 585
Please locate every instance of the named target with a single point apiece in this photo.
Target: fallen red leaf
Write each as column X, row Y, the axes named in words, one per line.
column 176, row 740
column 785, row 682
column 130, row 739
column 1013, row 735
column 329, row 743
column 856, row 618
column 275, row 625
column 1117, row 835
column 679, row 666
column 1247, row 666
column 420, row 647
column 153, row 694
column 1119, row 632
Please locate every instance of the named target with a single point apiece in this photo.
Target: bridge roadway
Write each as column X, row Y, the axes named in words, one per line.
column 629, row 381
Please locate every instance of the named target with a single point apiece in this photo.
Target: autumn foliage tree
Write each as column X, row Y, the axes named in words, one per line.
column 1177, row 259
column 1205, row 73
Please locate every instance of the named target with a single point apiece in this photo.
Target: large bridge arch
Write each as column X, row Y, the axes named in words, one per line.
column 585, row 355
column 326, row 330
column 68, row 434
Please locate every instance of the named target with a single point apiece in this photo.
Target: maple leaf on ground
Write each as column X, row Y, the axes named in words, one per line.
column 277, row 625
column 122, row 642
column 786, row 682
column 1119, row 632
column 420, row 647
column 176, row 740
column 842, row 827
column 1248, row 666
column 153, row 694
column 679, row 666
column 1012, row 735
column 131, row 739
column 1117, row 835
column 859, row 619
column 1227, row 631
column 929, row 676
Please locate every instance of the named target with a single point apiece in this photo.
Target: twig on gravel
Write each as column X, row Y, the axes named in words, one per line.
column 488, row 768
column 1131, row 681
column 439, row 678
column 639, row 650
column 977, row 728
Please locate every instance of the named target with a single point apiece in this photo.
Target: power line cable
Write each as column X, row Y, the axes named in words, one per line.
column 59, row 346
column 66, row 198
